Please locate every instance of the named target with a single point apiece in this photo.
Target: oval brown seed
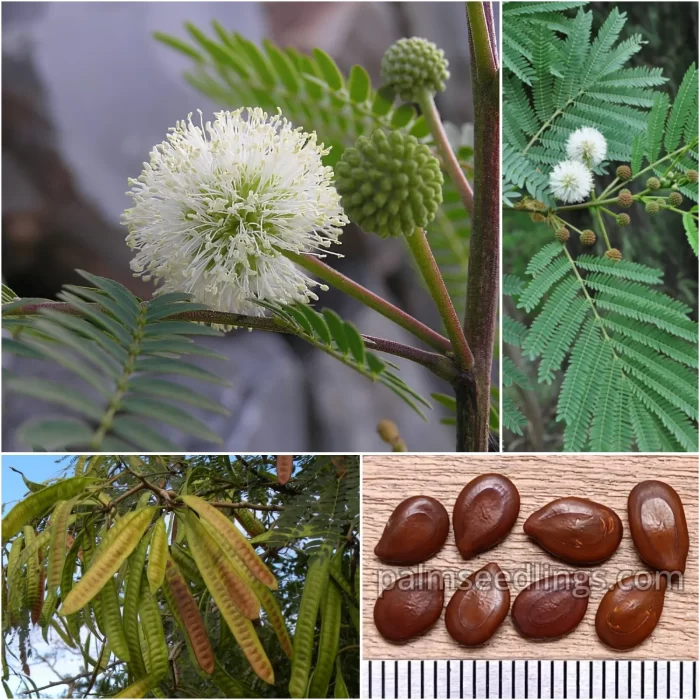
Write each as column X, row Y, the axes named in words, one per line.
column 484, row 513
column 410, row 606
column 630, row 611
column 416, row 530
column 576, row 530
column 658, row 527
column 479, row 606
column 552, row 606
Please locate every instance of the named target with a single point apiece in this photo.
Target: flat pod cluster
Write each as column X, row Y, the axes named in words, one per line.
column 575, row 530
column 125, row 609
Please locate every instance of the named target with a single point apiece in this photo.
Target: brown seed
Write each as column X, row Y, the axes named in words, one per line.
column 416, row 530
column 658, row 527
column 484, row 513
column 552, row 606
column 410, row 606
column 576, row 530
column 479, row 606
column 630, row 611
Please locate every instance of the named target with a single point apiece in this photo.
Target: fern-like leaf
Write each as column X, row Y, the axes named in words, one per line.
column 119, row 348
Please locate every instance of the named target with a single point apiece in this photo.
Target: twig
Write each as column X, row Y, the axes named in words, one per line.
column 244, row 504
column 161, row 493
column 119, row 499
column 68, row 681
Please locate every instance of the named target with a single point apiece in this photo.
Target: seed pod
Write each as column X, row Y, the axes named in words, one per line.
column 251, row 524
column 32, row 594
column 68, row 641
column 124, row 538
column 211, row 557
column 38, row 503
column 185, row 607
column 285, row 465
column 218, row 574
column 13, row 557
column 49, row 608
column 328, row 641
column 186, row 564
column 132, row 596
column 157, row 555
column 267, row 600
column 341, row 690
column 112, row 620
column 39, row 603
column 139, row 689
column 152, row 626
column 316, row 582
column 336, row 571
column 230, row 532
column 57, row 543
column 29, row 553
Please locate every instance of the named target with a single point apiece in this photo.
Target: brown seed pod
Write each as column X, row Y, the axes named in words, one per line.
column 39, row 602
column 188, row 611
column 285, row 464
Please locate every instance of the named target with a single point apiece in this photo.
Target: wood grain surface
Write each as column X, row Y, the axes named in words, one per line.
column 388, row 479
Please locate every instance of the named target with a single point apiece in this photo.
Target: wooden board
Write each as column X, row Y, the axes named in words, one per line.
column 388, row 479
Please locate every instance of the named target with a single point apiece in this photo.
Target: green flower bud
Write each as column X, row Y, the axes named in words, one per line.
column 537, row 217
column 613, row 254
column 587, row 237
column 675, row 199
column 624, row 199
column 653, row 183
column 623, row 219
column 624, row 172
column 411, row 65
column 692, row 176
column 562, row 234
column 389, row 185
column 652, row 207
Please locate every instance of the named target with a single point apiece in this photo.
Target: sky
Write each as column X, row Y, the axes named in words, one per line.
column 36, row 467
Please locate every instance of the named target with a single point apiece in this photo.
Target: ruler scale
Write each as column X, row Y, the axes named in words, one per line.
column 474, row 678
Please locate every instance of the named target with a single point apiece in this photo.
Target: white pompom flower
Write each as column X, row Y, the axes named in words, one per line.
column 587, row 145
column 570, row 181
column 218, row 205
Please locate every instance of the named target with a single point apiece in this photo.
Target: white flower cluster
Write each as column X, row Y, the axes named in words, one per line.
column 219, row 204
column 571, row 180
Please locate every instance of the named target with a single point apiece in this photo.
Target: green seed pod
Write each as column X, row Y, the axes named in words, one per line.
column 139, row 689
column 316, row 582
column 250, row 523
column 38, row 503
column 623, row 219
column 410, row 66
column 613, row 254
column 653, row 183
column 132, row 597
column 72, row 621
column 587, row 237
column 675, row 199
column 32, row 594
column 652, row 207
column 187, row 565
column 389, row 185
column 112, row 617
column 341, row 689
column 157, row 555
column 57, row 543
column 624, row 199
column 624, row 172
column 562, row 234
column 328, row 641
column 152, row 626
column 336, row 571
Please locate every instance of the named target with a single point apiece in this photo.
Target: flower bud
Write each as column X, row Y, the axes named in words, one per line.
column 652, row 207
column 675, row 199
column 624, row 172
column 389, row 185
column 562, row 234
column 613, row 254
column 653, row 183
column 624, row 199
column 587, row 237
column 412, row 65
column 623, row 219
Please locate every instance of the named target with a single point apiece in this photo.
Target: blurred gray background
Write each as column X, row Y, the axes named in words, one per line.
column 86, row 94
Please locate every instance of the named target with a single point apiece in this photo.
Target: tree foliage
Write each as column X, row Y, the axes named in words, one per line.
column 198, row 576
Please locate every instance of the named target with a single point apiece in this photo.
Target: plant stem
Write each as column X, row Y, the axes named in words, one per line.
column 483, row 285
column 449, row 159
column 418, row 243
column 601, row 224
column 382, row 306
column 437, row 363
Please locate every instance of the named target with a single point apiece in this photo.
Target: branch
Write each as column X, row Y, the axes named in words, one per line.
column 439, row 364
column 449, row 159
column 68, row 681
column 357, row 291
column 245, row 504
column 161, row 493
column 482, row 49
